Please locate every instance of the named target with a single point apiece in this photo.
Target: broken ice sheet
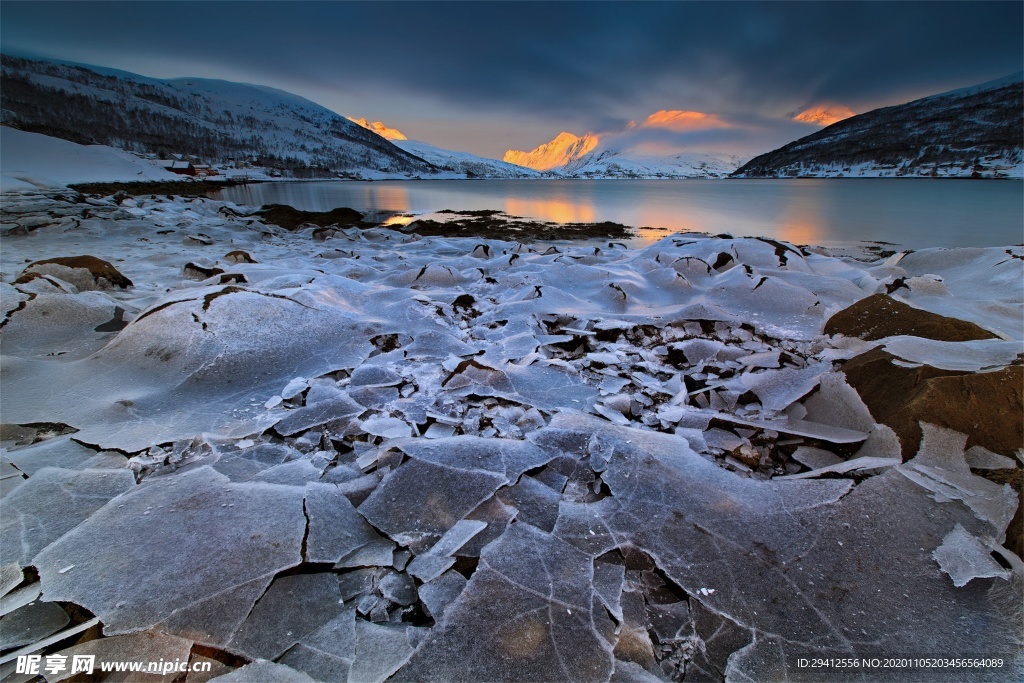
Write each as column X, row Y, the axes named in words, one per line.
column 941, row 468
column 421, row 500
column 150, row 646
column 381, row 650
column 440, row 592
column 292, row 607
column 525, row 614
column 386, row 427
column 432, row 563
column 263, row 671
column 60, row 451
column 778, row 388
column 335, row 528
column 971, row 356
column 537, row 503
column 852, row 465
column 744, row 547
column 162, row 533
column 323, row 405
column 964, row 557
column 984, row 459
column 177, row 370
column 52, row 502
column 506, row 457
column 327, row 653
column 30, row 623
column 214, row 620
column 10, row 576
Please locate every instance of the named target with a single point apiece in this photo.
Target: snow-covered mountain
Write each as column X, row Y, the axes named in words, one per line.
column 465, row 163
column 971, row 132
column 379, row 128
column 615, row 163
column 594, row 156
column 461, row 163
column 565, row 149
column 218, row 121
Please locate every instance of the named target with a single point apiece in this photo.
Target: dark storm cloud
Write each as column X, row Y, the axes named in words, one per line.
column 592, row 65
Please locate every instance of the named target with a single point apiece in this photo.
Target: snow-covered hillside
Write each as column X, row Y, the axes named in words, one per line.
column 30, row 160
column 971, row 132
column 218, row 121
column 612, row 156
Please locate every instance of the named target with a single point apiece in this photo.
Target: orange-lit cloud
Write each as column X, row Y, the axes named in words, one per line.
column 679, row 120
column 824, row 114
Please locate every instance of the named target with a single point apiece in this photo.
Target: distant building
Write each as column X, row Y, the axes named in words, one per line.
column 179, row 167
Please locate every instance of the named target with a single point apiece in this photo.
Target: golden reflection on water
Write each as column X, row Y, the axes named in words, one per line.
column 399, row 220
column 801, row 222
column 386, row 197
column 557, row 210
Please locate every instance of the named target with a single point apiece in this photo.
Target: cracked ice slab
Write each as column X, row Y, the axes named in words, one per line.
column 52, row 502
column 964, row 557
column 767, row 554
column 188, row 366
column 524, row 616
column 970, row 356
column 154, row 550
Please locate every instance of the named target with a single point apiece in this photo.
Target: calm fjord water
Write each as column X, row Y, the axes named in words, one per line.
column 914, row 213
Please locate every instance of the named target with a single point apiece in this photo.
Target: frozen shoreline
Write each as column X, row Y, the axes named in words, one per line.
column 595, row 437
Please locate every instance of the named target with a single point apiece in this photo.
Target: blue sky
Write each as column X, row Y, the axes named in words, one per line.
column 487, row 76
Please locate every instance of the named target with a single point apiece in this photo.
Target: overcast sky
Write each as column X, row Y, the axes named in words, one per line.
column 484, row 77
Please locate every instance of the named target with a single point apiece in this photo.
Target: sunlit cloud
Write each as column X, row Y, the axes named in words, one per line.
column 824, row 114
column 680, row 120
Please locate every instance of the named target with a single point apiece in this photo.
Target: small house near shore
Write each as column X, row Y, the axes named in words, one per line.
column 179, row 167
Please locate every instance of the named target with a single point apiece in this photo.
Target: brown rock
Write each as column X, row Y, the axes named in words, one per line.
column 290, row 218
column 879, row 316
column 986, row 406
column 97, row 267
column 239, row 256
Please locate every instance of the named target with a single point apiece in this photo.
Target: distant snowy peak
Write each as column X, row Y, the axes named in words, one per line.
column 380, row 129
column 220, row 122
column 613, row 163
column 594, row 156
column 564, row 149
column 824, row 114
column 459, row 163
column 971, row 132
column 464, row 163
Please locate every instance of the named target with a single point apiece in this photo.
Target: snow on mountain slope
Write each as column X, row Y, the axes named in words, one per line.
column 31, row 160
column 564, row 149
column 218, row 121
column 970, row 132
